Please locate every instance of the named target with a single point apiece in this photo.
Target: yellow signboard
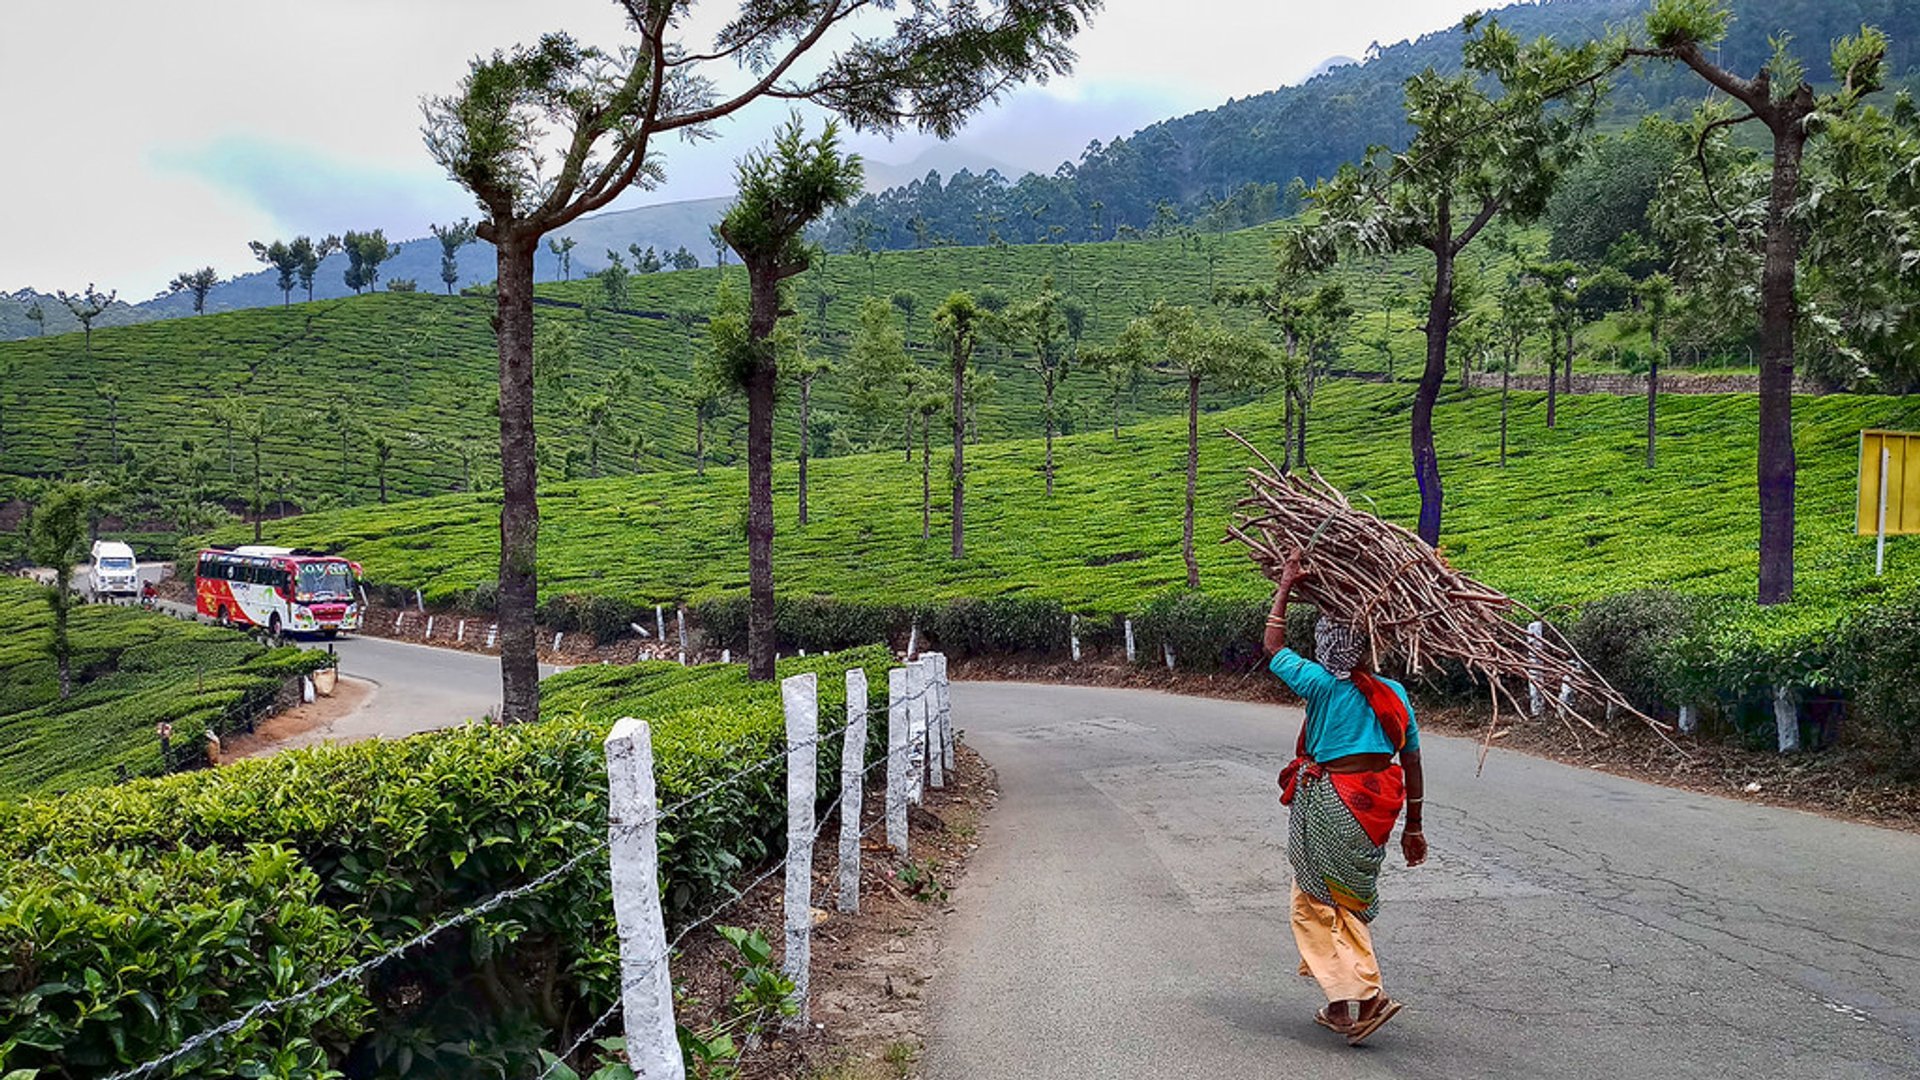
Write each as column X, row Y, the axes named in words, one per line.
column 1902, row 457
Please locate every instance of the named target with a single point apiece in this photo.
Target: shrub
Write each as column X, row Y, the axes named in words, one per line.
column 164, row 891
column 1882, row 650
column 606, row 618
column 814, row 623
column 999, row 626
column 1207, row 631
column 1633, row 641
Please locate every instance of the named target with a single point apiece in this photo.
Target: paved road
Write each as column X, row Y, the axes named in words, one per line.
column 1126, row 916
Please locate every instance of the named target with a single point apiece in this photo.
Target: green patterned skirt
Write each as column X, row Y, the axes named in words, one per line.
column 1334, row 860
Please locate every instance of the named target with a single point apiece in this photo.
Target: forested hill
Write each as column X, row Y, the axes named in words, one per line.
column 1231, row 166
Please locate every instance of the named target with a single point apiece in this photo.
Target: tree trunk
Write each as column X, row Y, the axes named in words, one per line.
column 1776, row 460
column 1553, row 373
column 519, row 483
column 1653, row 392
column 959, row 456
column 926, row 478
column 1571, row 327
column 62, row 648
column 1193, row 475
column 806, row 436
column 764, row 312
column 1426, row 463
column 1300, row 428
column 1506, row 381
column 258, row 509
column 1049, row 420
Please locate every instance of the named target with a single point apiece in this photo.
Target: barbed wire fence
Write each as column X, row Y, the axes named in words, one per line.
column 919, row 739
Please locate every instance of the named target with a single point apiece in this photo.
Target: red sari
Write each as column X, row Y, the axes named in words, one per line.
column 1375, row 798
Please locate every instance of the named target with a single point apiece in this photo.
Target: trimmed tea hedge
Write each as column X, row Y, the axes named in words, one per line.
column 132, row 670
column 134, row 916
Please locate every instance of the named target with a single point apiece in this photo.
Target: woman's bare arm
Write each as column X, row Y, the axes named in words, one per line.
column 1275, row 638
column 1413, row 842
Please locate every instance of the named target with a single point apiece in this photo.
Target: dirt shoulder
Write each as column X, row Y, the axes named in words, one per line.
column 869, row 970
column 1842, row 782
column 302, row 725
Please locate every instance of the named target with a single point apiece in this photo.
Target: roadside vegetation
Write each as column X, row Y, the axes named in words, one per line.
column 264, row 876
column 132, row 670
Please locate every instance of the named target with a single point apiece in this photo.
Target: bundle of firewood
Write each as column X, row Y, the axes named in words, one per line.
column 1415, row 609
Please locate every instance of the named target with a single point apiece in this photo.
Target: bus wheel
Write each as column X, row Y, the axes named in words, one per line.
column 220, row 616
column 273, row 628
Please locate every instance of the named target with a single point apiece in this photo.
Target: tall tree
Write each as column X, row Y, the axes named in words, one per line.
column 254, row 428
column 452, row 238
column 931, row 68
column 54, row 535
column 615, row 280
column 958, row 322
column 562, row 249
column 198, row 283
column 1656, row 303
column 365, row 252
column 109, row 394
column 1782, row 100
column 1039, row 328
column 645, row 262
column 88, row 306
column 310, row 253
column 1193, row 351
column 285, row 262
column 1523, row 310
column 876, row 362
column 382, row 448
column 1475, row 155
column 783, row 190
column 801, row 367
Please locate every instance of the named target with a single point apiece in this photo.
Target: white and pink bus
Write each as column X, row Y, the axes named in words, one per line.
column 277, row 590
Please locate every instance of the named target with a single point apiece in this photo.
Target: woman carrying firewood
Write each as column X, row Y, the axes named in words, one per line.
column 1344, row 793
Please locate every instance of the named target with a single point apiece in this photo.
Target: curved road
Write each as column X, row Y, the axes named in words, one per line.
column 1126, row 916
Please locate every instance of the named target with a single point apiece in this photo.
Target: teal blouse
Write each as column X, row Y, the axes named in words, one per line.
column 1340, row 722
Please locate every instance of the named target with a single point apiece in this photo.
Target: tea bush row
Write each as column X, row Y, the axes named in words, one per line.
column 134, row 916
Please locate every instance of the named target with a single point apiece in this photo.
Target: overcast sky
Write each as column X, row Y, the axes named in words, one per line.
column 145, row 139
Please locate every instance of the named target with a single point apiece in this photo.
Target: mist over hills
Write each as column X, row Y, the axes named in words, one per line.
column 662, row 227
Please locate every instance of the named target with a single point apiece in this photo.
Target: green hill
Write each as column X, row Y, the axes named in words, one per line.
column 132, row 670
column 420, row 370
column 1573, row 517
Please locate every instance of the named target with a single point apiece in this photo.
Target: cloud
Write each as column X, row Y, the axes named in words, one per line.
column 305, row 189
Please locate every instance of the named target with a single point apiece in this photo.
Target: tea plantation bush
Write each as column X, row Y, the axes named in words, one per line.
column 132, row 670
column 316, row 858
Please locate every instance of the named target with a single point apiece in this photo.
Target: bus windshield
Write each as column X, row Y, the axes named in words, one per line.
column 113, row 562
column 324, row 579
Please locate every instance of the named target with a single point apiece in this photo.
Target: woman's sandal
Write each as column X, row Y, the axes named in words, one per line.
column 1338, row 1027
column 1368, row 1023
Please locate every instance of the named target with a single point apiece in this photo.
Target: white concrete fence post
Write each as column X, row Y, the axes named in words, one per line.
column 913, row 639
column 1166, row 647
column 943, row 708
column 726, row 656
column 936, row 744
column 1786, row 719
column 419, row 601
column 460, row 632
column 1689, row 720
column 899, row 759
column 917, row 727
column 1129, row 627
column 633, row 856
column 1536, row 637
column 558, row 636
column 428, row 636
column 660, row 622
column 1073, row 636
column 801, row 697
column 397, row 620
column 681, row 615
column 853, row 763
column 493, row 634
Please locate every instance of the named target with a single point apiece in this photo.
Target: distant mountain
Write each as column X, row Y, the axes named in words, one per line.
column 1246, row 153
column 664, row 227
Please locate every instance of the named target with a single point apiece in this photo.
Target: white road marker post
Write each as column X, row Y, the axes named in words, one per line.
column 460, row 632
column 1073, row 636
column 801, row 697
column 428, row 636
column 633, row 856
column 1689, row 720
column 557, row 637
column 419, row 601
column 1880, row 545
column 660, row 622
column 853, row 761
column 493, row 634
column 397, row 620
column 1536, row 634
column 681, row 615
column 899, row 759
column 726, row 656
column 913, row 639
column 1166, row 647
column 917, row 726
column 1786, row 719
column 1129, row 626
